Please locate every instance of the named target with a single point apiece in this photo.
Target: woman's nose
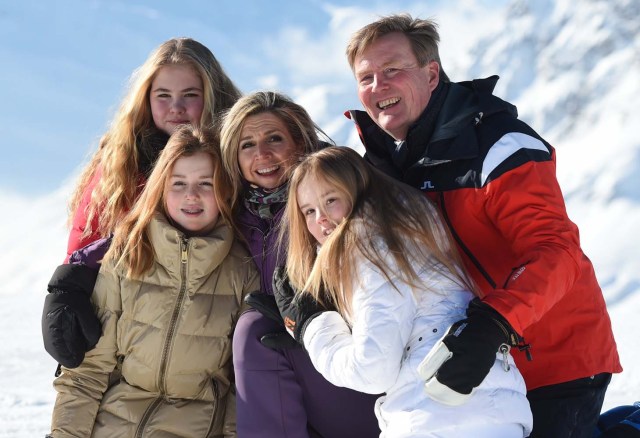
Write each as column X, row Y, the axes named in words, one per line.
column 177, row 106
column 263, row 149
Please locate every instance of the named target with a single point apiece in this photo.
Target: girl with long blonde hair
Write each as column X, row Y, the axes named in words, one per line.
column 380, row 282
column 168, row 295
column 383, row 214
column 181, row 82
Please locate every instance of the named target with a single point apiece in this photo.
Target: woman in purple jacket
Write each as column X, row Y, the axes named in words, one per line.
column 279, row 392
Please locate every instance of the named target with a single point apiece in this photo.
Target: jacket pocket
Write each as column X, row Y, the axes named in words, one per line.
column 217, row 415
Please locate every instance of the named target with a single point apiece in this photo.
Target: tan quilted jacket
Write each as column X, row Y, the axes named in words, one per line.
column 163, row 366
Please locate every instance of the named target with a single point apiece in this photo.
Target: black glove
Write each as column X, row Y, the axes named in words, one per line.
column 266, row 304
column 69, row 325
column 461, row 360
column 297, row 312
column 281, row 307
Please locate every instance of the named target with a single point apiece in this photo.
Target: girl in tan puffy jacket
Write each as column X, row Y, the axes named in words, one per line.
column 168, row 295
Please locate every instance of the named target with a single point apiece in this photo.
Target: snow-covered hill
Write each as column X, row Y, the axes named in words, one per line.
column 571, row 67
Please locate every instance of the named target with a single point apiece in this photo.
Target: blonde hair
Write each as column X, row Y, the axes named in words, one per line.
column 383, row 211
column 422, row 34
column 131, row 246
column 303, row 130
column 117, row 155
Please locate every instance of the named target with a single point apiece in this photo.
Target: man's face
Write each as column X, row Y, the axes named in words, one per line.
column 391, row 86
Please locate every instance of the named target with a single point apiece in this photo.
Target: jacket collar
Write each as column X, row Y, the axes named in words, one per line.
column 206, row 253
column 451, row 135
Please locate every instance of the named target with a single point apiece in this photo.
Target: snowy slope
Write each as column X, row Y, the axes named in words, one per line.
column 571, row 67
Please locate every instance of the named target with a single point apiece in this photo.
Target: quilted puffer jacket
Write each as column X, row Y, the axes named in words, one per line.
column 163, row 364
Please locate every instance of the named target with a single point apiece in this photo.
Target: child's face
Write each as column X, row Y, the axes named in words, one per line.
column 189, row 195
column 176, row 97
column 322, row 206
column 266, row 151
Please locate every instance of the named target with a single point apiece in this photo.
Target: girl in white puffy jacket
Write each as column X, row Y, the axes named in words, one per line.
column 388, row 266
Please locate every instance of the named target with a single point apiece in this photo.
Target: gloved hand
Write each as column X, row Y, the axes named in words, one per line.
column 292, row 315
column 69, row 325
column 461, row 360
column 266, row 304
column 297, row 311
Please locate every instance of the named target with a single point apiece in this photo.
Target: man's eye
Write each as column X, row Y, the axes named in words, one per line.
column 366, row 79
column 391, row 72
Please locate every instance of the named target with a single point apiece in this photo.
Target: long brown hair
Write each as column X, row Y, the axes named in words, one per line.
column 117, row 155
column 131, row 246
column 384, row 211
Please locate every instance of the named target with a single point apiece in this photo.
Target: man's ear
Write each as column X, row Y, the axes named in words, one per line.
column 434, row 74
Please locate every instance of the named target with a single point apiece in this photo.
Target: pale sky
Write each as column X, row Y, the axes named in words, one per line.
column 65, row 64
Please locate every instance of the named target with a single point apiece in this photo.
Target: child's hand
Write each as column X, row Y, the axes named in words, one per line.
column 70, row 326
column 297, row 310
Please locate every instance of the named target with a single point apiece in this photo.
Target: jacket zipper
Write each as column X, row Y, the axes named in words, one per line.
column 216, row 399
column 515, row 340
column 461, row 244
column 162, row 381
column 519, row 342
column 147, row 414
column 264, row 254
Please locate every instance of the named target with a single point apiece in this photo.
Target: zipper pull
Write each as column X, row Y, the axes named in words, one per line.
column 527, row 350
column 183, row 259
column 504, row 349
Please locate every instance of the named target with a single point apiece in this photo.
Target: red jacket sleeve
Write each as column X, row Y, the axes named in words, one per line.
column 79, row 223
column 526, row 206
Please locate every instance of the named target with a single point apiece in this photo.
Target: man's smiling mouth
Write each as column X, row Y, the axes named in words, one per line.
column 384, row 104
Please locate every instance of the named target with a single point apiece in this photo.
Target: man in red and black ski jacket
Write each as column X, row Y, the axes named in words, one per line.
column 494, row 179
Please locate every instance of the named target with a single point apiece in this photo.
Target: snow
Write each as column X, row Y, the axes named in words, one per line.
column 572, row 71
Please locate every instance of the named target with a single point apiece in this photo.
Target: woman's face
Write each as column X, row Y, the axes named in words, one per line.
column 176, row 97
column 266, row 151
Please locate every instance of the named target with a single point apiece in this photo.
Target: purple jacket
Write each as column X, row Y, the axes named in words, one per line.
column 261, row 236
column 92, row 254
